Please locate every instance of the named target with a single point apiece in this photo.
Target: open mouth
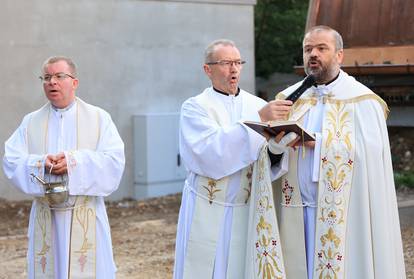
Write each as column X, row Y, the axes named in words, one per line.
column 314, row 63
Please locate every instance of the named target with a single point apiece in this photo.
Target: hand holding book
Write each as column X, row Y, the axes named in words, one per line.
column 278, row 145
column 275, row 127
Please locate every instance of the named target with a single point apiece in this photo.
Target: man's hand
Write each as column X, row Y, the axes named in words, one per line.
column 309, row 144
column 57, row 163
column 277, row 138
column 275, row 110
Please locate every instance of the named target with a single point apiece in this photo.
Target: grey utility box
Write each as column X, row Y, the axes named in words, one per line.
column 158, row 168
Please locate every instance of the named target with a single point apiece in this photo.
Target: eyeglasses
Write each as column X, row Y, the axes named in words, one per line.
column 58, row 76
column 228, row 63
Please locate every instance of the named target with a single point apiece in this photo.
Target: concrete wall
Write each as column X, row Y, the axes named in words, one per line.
column 133, row 57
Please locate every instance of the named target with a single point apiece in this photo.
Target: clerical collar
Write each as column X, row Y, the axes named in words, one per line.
column 63, row 109
column 331, row 81
column 227, row 94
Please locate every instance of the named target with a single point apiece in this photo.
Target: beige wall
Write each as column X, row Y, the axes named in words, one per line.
column 133, row 57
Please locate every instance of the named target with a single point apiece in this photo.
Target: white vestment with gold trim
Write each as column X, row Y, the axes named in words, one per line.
column 351, row 219
column 93, row 173
column 219, row 152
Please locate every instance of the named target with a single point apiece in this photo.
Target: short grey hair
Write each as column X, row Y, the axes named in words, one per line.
column 211, row 48
column 339, row 43
column 54, row 59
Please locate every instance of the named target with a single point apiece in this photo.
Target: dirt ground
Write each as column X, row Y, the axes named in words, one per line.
column 143, row 234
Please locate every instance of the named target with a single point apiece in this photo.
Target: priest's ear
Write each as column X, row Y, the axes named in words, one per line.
column 339, row 56
column 207, row 70
column 75, row 83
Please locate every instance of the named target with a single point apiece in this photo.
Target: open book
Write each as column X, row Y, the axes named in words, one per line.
column 275, row 127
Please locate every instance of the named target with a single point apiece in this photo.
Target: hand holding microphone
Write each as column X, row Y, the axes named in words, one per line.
column 280, row 109
column 308, row 82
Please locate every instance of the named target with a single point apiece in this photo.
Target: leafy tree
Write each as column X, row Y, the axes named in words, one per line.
column 279, row 30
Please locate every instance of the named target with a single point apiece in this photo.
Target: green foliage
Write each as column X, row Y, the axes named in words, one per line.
column 404, row 179
column 279, row 30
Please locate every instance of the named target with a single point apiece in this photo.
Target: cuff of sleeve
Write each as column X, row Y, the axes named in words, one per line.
column 37, row 166
column 276, row 148
column 74, row 174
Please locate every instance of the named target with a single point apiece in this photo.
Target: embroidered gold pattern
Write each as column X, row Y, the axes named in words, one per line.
column 336, row 176
column 83, row 214
column 248, row 189
column 43, row 218
column 269, row 261
column 267, row 254
column 211, row 190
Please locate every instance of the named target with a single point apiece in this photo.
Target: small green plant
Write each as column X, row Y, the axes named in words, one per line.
column 404, row 179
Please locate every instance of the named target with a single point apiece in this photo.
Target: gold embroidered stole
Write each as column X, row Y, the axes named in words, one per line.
column 264, row 258
column 287, row 194
column 335, row 182
column 83, row 228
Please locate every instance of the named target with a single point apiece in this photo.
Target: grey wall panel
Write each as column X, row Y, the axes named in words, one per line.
column 134, row 57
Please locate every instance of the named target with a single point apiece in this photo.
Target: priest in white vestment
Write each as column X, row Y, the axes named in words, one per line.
column 338, row 213
column 219, row 151
column 67, row 140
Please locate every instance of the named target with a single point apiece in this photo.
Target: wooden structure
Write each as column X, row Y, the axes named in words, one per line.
column 378, row 43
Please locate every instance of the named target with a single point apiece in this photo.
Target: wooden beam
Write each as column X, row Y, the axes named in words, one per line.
column 379, row 55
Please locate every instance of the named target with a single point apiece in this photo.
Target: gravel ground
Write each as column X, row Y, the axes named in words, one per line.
column 143, row 236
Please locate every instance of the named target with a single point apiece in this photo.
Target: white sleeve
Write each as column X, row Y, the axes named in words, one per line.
column 212, row 150
column 280, row 169
column 18, row 164
column 317, row 157
column 97, row 172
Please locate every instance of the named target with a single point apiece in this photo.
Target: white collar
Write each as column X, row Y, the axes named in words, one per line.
column 326, row 89
column 61, row 111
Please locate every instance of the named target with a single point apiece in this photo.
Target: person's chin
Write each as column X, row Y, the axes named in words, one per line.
column 314, row 71
column 234, row 85
column 233, row 90
column 54, row 100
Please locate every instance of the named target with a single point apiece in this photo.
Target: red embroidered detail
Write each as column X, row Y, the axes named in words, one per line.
column 82, row 261
column 350, row 162
column 43, row 263
column 324, row 159
column 274, row 242
column 287, row 191
column 257, row 244
column 328, row 265
column 319, row 255
column 339, row 258
column 265, row 253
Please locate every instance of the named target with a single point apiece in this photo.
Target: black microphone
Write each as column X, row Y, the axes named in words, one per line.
column 308, row 82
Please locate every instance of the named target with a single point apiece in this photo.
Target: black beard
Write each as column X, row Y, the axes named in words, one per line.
column 322, row 74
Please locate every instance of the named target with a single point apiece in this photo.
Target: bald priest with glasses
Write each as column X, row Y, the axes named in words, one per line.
column 68, row 156
column 222, row 156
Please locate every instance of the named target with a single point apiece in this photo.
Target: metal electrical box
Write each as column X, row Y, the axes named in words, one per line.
column 158, row 169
